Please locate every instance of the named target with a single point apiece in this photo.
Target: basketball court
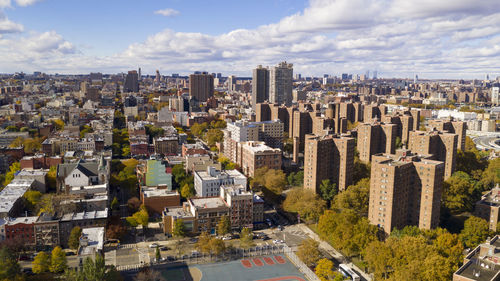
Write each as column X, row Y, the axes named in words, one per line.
column 266, row 268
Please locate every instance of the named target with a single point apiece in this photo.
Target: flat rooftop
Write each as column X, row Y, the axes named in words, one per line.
column 208, row 203
column 85, row 215
column 12, row 192
column 155, row 192
column 479, row 270
column 177, row 212
column 95, row 236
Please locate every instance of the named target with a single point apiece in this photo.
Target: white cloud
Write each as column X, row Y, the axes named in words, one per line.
column 24, row 3
column 4, row 3
column 457, row 38
column 7, row 26
column 167, row 12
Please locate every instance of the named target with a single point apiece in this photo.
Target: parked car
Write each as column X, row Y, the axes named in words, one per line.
column 154, row 245
column 164, row 248
column 227, row 238
column 277, row 241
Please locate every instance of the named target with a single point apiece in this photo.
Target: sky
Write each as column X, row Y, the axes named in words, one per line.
column 397, row 38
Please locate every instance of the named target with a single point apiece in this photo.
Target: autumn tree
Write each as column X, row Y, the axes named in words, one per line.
column 324, row 270
column 217, row 246
column 304, row 202
column 31, row 199
column 13, row 169
column 58, row 262
column 308, row 252
column 187, row 191
column 41, row 263
column 246, row 238
column 141, row 216
column 224, row 226
column 203, row 244
column 134, row 204
column 74, row 237
column 275, row 181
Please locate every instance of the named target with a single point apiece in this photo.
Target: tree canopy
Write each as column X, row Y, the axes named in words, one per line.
column 305, row 203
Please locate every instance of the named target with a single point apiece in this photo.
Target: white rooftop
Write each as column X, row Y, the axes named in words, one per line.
column 259, row 146
column 25, row 220
column 85, row 215
column 12, row 192
column 95, row 238
column 155, row 192
column 38, row 172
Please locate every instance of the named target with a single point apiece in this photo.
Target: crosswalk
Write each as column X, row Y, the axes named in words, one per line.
column 297, row 232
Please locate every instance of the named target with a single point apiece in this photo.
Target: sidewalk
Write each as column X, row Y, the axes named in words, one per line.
column 329, row 249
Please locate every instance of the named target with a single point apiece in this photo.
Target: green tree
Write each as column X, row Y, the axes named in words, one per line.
column 398, row 143
column 328, row 190
column 74, row 237
column 305, row 203
column 179, row 173
column 224, row 226
column 360, row 170
column 355, row 197
column 308, row 252
column 158, row 254
column 460, row 192
column 58, row 262
column 475, row 232
column 9, row 267
column 324, row 269
column 179, row 229
column 491, row 175
column 96, row 270
column 187, row 191
column 246, row 238
column 115, row 204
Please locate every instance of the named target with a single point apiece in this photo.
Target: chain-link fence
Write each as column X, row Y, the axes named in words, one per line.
column 308, row 273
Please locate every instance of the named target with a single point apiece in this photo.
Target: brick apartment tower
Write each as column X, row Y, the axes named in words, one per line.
column 405, row 189
column 328, row 157
column 442, row 147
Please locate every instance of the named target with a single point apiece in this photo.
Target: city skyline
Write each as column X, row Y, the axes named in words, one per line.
column 447, row 39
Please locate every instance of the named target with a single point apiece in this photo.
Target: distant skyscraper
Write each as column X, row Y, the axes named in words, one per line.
column 140, row 74
column 415, row 81
column 375, row 74
column 131, row 82
column 260, row 85
column 495, row 95
column 201, row 86
column 231, row 83
column 367, row 74
column 157, row 78
column 281, row 83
